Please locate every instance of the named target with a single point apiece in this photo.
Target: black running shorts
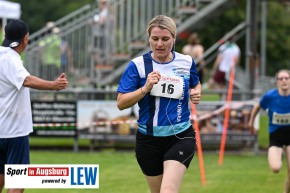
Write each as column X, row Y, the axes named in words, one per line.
column 152, row 151
column 280, row 137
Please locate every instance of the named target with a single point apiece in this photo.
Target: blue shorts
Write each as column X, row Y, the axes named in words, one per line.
column 152, row 151
column 14, row 151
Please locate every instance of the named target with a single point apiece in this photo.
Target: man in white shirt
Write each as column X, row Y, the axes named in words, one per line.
column 228, row 57
column 15, row 107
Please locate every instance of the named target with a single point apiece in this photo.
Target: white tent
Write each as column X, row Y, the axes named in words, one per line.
column 9, row 10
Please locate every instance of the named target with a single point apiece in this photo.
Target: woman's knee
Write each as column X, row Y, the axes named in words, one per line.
column 275, row 168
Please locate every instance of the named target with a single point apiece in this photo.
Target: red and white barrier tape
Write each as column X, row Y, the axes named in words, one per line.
column 53, row 124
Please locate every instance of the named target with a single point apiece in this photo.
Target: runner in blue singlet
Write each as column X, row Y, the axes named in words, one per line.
column 277, row 103
column 161, row 82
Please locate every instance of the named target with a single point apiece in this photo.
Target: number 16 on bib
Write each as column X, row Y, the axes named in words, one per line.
column 169, row 87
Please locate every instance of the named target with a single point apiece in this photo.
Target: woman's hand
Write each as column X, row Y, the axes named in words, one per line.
column 152, row 78
column 195, row 94
column 252, row 128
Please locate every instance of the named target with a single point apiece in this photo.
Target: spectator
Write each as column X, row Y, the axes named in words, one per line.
column 66, row 57
column 165, row 141
column 100, row 31
column 277, row 104
column 15, row 81
column 228, row 53
column 50, row 53
column 195, row 50
column 101, row 17
column 104, row 30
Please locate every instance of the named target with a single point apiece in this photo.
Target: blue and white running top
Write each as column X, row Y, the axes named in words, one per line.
column 160, row 116
column 278, row 108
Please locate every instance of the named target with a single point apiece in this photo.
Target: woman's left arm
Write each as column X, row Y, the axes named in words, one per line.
column 195, row 94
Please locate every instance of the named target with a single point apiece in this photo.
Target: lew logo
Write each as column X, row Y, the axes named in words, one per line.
column 51, row 176
column 84, row 176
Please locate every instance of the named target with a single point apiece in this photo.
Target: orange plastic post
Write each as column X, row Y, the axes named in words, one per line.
column 227, row 113
column 198, row 143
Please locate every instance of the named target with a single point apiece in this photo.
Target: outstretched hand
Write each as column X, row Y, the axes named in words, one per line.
column 61, row 82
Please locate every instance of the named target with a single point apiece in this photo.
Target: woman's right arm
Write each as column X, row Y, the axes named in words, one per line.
column 127, row 100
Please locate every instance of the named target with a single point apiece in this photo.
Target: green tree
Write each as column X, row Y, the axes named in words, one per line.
column 37, row 13
column 278, row 39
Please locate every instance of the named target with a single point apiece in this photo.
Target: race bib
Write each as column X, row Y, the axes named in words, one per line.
column 169, row 87
column 281, row 119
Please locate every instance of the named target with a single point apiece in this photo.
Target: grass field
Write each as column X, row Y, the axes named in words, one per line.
column 119, row 173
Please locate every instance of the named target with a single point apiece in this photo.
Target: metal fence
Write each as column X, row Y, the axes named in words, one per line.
column 91, row 53
column 62, row 46
column 74, row 45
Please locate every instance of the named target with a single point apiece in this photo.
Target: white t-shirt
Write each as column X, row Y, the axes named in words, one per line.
column 228, row 51
column 102, row 15
column 15, row 106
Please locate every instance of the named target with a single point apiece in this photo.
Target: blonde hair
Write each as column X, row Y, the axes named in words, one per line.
column 163, row 22
column 283, row 70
